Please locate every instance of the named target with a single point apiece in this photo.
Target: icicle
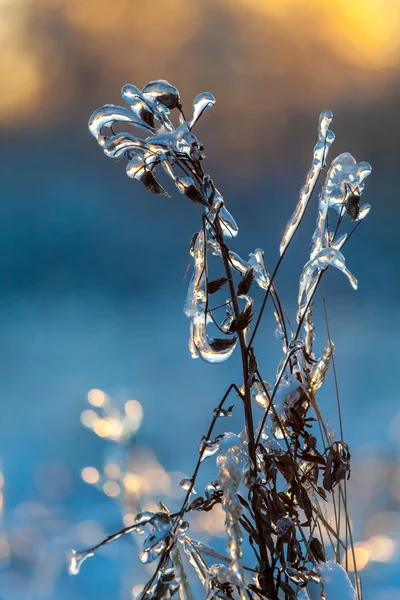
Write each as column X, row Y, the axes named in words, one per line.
column 201, row 103
column 229, row 462
column 197, row 562
column 325, row 140
column 209, row 551
column 321, row 368
column 309, row 278
column 185, row 593
column 197, row 292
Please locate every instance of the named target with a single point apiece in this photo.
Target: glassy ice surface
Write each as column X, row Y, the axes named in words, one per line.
column 201, row 103
column 325, row 140
column 327, row 257
column 197, row 292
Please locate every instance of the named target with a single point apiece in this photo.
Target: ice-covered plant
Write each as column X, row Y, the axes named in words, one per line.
column 274, row 477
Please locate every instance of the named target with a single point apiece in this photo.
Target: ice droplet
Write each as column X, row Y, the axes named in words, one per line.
column 208, row 447
column 325, row 140
column 223, row 412
column 186, row 484
column 162, row 92
column 76, row 560
column 201, row 103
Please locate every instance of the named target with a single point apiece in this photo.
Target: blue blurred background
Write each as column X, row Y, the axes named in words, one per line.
column 93, row 269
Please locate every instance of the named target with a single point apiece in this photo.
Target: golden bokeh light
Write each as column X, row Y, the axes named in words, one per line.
column 128, row 519
column 361, row 555
column 4, row 549
column 134, row 410
column 132, row 483
column 112, row 470
column 111, row 488
column 90, row 475
column 321, row 50
column 88, row 418
column 380, row 548
column 97, row 397
column 363, row 33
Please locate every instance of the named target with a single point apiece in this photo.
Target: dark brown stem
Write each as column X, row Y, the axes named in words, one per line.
column 248, row 413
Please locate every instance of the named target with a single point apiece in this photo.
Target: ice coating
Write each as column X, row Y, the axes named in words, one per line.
column 187, row 483
column 185, row 593
column 223, row 574
column 149, row 110
column 228, row 223
column 121, row 143
column 200, row 344
column 157, row 541
column 109, row 114
column 320, row 370
column 201, row 103
column 325, row 140
column 345, row 176
column 327, row 257
column 258, row 394
column 255, row 262
column 162, row 92
column 230, row 460
column 208, row 448
column 196, row 297
column 309, row 335
column 196, row 560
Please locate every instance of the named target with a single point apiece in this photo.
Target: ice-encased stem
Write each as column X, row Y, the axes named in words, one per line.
column 325, row 140
column 229, row 463
column 185, row 593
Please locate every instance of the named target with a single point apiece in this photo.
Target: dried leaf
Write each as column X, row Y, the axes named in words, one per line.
column 243, row 319
column 289, row 591
column 317, row 549
column 216, row 284
column 245, row 283
column 220, row 344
